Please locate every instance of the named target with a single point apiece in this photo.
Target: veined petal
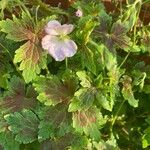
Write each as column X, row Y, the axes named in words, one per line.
column 69, row 48
column 66, row 29
column 53, row 45
column 48, row 41
column 57, row 48
column 52, row 27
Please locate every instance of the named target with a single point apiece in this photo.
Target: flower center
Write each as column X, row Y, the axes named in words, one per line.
column 63, row 37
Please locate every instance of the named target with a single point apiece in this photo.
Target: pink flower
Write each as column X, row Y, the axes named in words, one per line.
column 79, row 13
column 58, row 44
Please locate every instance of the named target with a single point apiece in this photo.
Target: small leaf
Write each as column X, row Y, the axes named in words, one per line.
column 88, row 59
column 103, row 101
column 109, row 60
column 24, row 125
column 84, row 78
column 127, row 91
column 85, row 27
column 146, row 138
column 83, row 99
column 89, row 122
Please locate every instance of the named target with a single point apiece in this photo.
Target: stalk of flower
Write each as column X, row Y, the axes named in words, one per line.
column 57, row 42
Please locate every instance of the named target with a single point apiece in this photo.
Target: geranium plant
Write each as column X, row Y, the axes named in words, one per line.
column 76, row 78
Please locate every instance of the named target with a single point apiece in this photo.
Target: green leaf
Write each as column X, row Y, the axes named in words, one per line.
column 146, row 138
column 88, row 59
column 110, row 144
column 84, row 78
column 17, row 97
column 130, row 16
column 46, row 130
column 79, row 143
column 127, row 91
column 30, row 56
column 118, row 35
column 103, row 100
column 85, row 27
column 83, row 99
column 8, row 142
column 89, row 122
column 61, row 143
column 55, row 121
column 5, row 68
column 18, row 30
column 53, row 91
column 109, row 60
column 23, row 125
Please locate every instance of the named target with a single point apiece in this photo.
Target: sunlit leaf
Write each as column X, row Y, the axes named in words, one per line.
column 29, row 55
column 89, row 122
column 127, row 91
column 53, row 91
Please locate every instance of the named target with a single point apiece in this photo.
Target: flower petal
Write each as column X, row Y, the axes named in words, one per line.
column 57, row 48
column 54, row 47
column 66, row 29
column 52, row 27
column 69, row 48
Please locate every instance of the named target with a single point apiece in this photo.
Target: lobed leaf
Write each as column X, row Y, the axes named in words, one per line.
column 17, row 97
column 29, row 55
column 55, row 121
column 89, row 122
column 53, row 91
column 23, row 125
column 127, row 91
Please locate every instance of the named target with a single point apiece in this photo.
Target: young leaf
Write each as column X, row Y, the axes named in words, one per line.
column 84, row 78
column 17, row 97
column 23, row 125
column 127, row 91
column 88, row 59
column 29, row 55
column 89, row 122
column 53, row 91
column 103, row 101
column 110, row 65
column 85, row 27
column 146, row 138
column 83, row 99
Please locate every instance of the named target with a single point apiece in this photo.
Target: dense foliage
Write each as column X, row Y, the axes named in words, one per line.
column 98, row 99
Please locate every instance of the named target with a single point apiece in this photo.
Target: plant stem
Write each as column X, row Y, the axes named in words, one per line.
column 66, row 62
column 124, row 60
column 47, row 70
column 116, row 115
